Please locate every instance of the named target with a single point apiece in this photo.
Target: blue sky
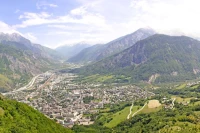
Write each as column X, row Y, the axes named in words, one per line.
column 57, row 22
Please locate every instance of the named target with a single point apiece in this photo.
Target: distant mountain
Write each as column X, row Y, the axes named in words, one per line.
column 87, row 54
column 68, row 51
column 18, row 117
column 157, row 58
column 113, row 47
column 20, row 60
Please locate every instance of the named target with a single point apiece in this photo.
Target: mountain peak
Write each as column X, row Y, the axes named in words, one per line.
column 14, row 37
column 148, row 30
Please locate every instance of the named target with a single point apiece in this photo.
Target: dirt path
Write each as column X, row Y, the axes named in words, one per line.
column 139, row 110
column 173, row 103
column 130, row 111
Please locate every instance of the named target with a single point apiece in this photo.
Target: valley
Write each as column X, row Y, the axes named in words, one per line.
column 56, row 95
column 97, row 66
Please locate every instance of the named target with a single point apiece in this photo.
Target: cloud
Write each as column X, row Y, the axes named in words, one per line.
column 5, row 28
column 59, row 33
column 17, row 11
column 30, row 36
column 79, row 11
column 102, row 20
column 79, row 16
column 167, row 16
column 44, row 5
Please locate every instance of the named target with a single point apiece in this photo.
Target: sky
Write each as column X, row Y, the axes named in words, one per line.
column 53, row 23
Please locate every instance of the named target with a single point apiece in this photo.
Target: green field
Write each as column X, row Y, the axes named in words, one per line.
column 179, row 99
column 181, row 86
column 118, row 117
column 134, row 109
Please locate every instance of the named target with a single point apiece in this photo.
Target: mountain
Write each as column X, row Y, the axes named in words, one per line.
column 158, row 58
column 87, row 54
column 16, row 117
column 20, row 60
column 113, row 47
column 68, row 51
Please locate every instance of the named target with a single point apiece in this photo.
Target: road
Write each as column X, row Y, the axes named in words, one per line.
column 139, row 110
column 30, row 84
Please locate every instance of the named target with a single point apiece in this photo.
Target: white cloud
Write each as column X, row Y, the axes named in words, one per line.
column 44, row 5
column 79, row 11
column 30, row 36
column 17, row 11
column 32, row 19
column 5, row 28
column 103, row 20
column 53, row 5
column 168, row 16
column 58, row 33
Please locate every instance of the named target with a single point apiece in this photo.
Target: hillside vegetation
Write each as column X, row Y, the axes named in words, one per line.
column 159, row 58
column 18, row 117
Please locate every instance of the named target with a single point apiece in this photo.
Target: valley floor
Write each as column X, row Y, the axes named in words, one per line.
column 58, row 97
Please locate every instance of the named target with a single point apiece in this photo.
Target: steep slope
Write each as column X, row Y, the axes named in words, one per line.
column 70, row 51
column 17, row 117
column 113, row 47
column 20, row 60
column 158, row 58
column 87, row 54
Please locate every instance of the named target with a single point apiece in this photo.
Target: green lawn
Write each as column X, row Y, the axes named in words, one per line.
column 134, row 109
column 118, row 117
column 121, row 116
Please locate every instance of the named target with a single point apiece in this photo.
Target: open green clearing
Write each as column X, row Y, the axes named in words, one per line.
column 181, row 86
column 118, row 117
column 179, row 99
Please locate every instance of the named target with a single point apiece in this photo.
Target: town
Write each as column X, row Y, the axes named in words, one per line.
column 59, row 98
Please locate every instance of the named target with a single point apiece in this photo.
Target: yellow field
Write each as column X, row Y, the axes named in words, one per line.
column 153, row 104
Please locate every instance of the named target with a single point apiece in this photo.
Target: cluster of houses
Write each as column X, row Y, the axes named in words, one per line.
column 55, row 95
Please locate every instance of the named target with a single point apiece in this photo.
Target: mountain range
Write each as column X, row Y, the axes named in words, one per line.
column 98, row 52
column 68, row 51
column 21, row 59
column 158, row 58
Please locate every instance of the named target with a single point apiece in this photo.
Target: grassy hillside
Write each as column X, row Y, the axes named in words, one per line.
column 17, row 117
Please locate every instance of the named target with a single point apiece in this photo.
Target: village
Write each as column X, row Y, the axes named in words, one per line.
column 59, row 98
